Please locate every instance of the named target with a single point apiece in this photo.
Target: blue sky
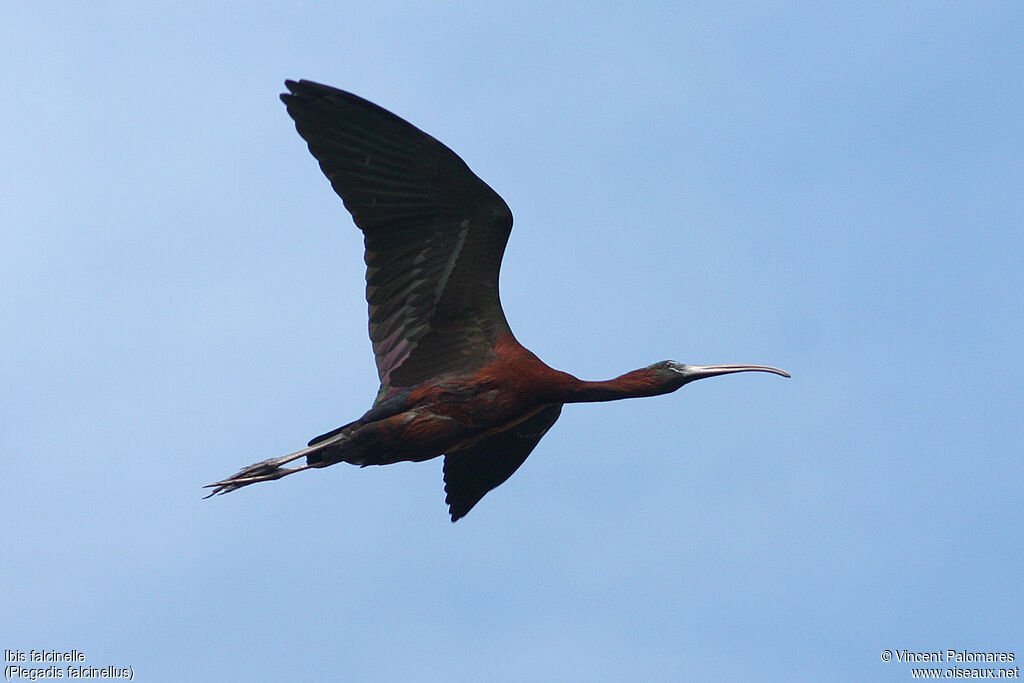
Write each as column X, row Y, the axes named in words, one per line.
column 836, row 190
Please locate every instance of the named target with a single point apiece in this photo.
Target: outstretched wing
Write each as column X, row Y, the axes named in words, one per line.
column 471, row 472
column 434, row 234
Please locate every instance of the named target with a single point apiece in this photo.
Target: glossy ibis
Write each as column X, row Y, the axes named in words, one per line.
column 453, row 379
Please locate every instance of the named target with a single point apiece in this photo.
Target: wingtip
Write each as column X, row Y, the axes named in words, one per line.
column 456, row 508
column 455, row 514
column 293, row 88
column 306, row 87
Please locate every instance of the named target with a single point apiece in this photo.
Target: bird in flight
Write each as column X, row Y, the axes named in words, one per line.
column 453, row 379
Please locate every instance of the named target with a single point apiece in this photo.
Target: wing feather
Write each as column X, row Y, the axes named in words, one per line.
column 434, row 235
column 471, row 472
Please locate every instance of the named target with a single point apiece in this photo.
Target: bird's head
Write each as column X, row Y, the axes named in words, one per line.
column 673, row 374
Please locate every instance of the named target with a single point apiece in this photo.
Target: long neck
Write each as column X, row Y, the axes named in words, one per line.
column 633, row 384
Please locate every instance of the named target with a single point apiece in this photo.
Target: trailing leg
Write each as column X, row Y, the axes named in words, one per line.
column 272, row 469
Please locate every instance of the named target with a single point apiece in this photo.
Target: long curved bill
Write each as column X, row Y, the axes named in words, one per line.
column 702, row 371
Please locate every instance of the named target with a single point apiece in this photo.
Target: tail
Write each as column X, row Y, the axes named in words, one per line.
column 326, row 449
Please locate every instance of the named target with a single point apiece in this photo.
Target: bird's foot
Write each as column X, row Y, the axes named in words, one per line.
column 268, row 470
